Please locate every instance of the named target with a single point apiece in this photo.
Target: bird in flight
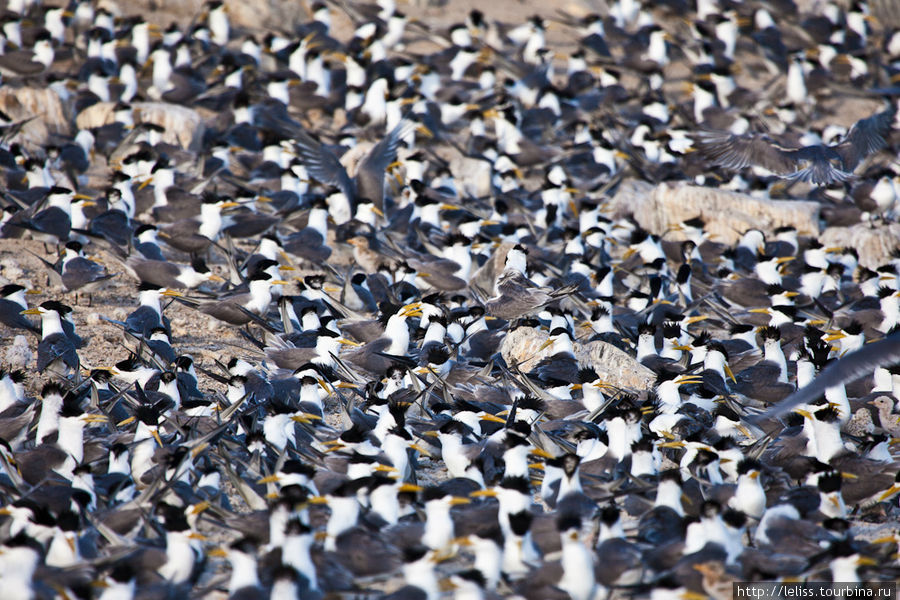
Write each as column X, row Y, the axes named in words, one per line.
column 818, row 164
column 325, row 166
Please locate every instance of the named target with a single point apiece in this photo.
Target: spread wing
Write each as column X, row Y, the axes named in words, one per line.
column 740, row 151
column 320, row 162
column 865, row 137
column 370, row 173
column 821, row 165
column 844, row 370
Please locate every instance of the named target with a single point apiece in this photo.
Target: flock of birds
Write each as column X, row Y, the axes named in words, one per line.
column 371, row 217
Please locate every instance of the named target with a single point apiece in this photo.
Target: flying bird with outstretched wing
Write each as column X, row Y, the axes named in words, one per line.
column 818, row 164
column 322, row 164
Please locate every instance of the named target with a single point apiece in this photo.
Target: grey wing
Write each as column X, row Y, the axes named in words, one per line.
column 321, row 163
column 52, row 220
column 740, row 151
column 302, row 240
column 865, row 137
column 511, row 282
column 56, row 347
column 273, row 116
column 158, row 272
column 226, row 310
column 434, row 264
column 516, row 304
column 370, row 173
column 291, row 358
column 848, row 368
column 81, row 271
column 820, row 172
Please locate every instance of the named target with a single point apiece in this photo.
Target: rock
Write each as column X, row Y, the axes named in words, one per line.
column 727, row 214
column 182, row 124
column 96, row 115
column 159, row 12
column 614, row 366
column 13, row 273
column 485, row 276
column 282, row 15
column 474, row 174
column 523, row 347
column 874, row 244
column 42, row 106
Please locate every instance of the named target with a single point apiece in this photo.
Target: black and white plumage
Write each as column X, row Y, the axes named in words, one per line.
column 12, row 303
column 237, row 309
column 77, row 272
column 56, row 353
column 170, row 275
column 632, row 390
column 325, row 166
column 847, row 369
column 818, row 164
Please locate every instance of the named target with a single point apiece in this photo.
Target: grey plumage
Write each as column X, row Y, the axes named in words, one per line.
column 518, row 297
column 844, row 370
column 819, row 165
column 325, row 166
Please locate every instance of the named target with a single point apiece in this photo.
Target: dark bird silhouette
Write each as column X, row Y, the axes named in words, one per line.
column 819, row 164
column 325, row 166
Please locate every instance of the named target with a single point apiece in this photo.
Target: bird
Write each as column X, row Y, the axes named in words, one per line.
column 57, row 353
column 170, row 275
column 238, row 309
column 77, row 272
column 12, row 303
column 846, row 369
column 552, row 388
column 819, row 164
column 515, row 295
column 323, row 164
column 194, row 236
column 29, row 63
